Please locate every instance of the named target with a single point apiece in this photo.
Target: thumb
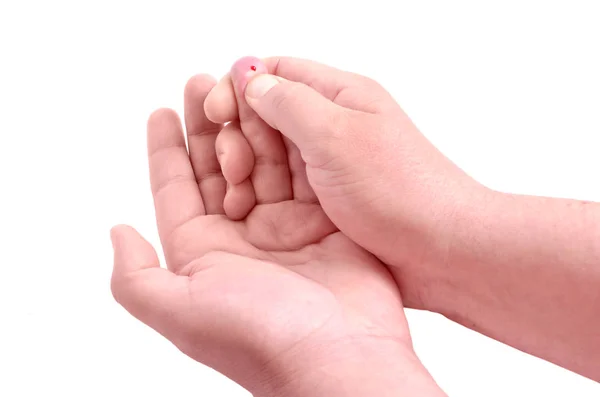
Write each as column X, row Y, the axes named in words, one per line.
column 307, row 118
column 132, row 253
column 150, row 293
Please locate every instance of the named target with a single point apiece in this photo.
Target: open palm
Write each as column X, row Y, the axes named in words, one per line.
column 277, row 285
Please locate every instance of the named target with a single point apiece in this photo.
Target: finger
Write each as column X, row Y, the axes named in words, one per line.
column 350, row 90
column 220, row 105
column 177, row 199
column 311, row 121
column 153, row 295
column 303, row 192
column 270, row 176
column 347, row 89
column 202, row 133
column 234, row 153
column 240, row 199
column 237, row 161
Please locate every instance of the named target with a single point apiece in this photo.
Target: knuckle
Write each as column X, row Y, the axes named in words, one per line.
column 340, row 123
column 284, row 98
column 376, row 98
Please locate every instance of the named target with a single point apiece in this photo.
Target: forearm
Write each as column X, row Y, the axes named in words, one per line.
column 526, row 271
column 384, row 369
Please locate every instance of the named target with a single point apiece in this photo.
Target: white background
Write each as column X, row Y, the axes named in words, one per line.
column 509, row 91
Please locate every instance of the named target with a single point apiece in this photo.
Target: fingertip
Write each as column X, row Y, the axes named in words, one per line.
column 244, row 69
column 220, row 105
column 234, row 154
column 237, row 164
column 114, row 231
column 199, row 83
column 132, row 251
column 120, row 232
column 119, row 228
column 196, row 91
column 163, row 129
column 161, row 115
column 239, row 200
column 120, row 263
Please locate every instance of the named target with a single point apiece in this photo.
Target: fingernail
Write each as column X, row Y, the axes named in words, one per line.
column 260, row 85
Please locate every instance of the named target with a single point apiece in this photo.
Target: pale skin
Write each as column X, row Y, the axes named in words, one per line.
column 335, row 206
column 279, row 301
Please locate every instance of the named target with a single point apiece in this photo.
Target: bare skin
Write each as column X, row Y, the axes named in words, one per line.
column 279, row 300
column 524, row 270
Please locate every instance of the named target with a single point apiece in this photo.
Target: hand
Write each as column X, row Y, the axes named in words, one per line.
column 377, row 177
column 280, row 301
column 522, row 270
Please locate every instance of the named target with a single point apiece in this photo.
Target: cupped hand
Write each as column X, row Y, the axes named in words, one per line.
column 376, row 176
column 267, row 297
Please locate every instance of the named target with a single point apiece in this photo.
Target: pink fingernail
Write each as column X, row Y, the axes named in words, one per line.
column 244, row 69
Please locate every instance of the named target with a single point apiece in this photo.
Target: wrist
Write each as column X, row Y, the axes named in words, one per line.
column 524, row 270
column 352, row 369
column 428, row 268
column 475, row 256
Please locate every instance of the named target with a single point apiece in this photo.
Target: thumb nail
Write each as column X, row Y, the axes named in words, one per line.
column 260, row 85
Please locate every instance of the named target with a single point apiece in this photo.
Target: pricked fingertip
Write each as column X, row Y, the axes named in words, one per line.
column 244, row 69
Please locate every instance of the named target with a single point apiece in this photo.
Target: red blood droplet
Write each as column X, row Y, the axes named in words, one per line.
column 253, row 68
